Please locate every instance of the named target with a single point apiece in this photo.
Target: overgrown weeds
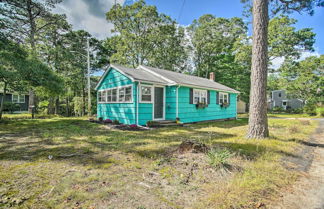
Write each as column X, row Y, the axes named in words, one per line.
column 219, row 158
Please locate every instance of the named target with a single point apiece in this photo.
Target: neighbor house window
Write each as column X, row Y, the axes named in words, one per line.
column 199, row 96
column 146, row 94
column 223, row 98
column 18, row 98
column 102, row 96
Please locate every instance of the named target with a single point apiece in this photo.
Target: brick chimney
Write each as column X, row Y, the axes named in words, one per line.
column 212, row 76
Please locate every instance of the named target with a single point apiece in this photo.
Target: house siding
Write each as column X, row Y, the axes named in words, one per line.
column 188, row 113
column 22, row 106
column 123, row 112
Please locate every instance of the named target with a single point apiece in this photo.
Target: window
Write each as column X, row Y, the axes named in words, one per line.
column 121, row 94
column 113, row 95
column 279, row 94
column 109, row 97
column 102, row 96
column 128, row 94
column 284, row 103
column 125, row 94
column 223, row 98
column 146, row 94
column 18, row 98
column 199, row 96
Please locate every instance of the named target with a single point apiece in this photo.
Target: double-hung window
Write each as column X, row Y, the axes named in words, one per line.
column 125, row 94
column 146, row 94
column 128, row 94
column 109, row 95
column 114, row 95
column 18, row 98
column 223, row 98
column 199, row 96
column 102, row 96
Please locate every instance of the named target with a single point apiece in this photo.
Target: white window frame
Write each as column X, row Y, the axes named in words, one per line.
column 200, row 93
column 100, row 96
column 221, row 96
column 110, row 90
column 19, row 97
column 152, row 93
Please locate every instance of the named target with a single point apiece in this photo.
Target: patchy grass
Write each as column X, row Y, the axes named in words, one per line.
column 69, row 162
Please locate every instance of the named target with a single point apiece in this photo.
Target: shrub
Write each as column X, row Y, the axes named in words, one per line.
column 116, row 122
column 310, row 109
column 297, row 110
column 218, row 158
column 107, row 121
column 100, row 119
column 320, row 111
column 277, row 109
column 10, row 107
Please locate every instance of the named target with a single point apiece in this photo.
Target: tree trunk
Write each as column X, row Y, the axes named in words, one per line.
column 31, row 104
column 3, row 99
column 57, row 105
column 258, row 121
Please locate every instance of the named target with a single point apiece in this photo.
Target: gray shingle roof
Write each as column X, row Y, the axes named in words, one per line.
column 166, row 77
column 180, row 78
column 140, row 74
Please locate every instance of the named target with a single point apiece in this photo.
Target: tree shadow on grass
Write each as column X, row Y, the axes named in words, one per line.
column 38, row 139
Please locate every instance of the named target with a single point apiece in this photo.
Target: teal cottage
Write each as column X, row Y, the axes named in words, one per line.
column 136, row 96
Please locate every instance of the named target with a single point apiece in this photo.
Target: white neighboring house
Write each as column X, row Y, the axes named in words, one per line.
column 278, row 98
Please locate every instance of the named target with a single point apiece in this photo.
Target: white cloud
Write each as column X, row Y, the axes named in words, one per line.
column 276, row 63
column 88, row 15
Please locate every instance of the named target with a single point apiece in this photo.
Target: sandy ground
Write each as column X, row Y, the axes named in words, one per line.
column 308, row 191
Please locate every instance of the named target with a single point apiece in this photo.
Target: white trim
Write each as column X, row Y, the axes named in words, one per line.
column 111, row 66
column 199, row 91
column 158, row 75
column 223, row 93
column 153, row 103
column 177, row 102
column 152, row 93
column 18, row 100
column 137, row 102
column 206, row 88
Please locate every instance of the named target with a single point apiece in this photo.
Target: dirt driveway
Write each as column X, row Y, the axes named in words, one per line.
column 308, row 191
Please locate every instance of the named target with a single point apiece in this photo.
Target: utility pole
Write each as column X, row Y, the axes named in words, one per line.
column 89, row 84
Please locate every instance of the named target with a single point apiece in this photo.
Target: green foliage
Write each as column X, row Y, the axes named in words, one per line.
column 115, row 122
column 220, row 45
column 78, row 106
column 287, row 42
column 304, row 79
column 218, row 158
column 310, row 108
column 146, row 37
column 320, row 111
column 10, row 107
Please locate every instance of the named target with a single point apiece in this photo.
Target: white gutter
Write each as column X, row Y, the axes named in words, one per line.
column 177, row 102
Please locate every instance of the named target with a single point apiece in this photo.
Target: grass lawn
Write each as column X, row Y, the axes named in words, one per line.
column 71, row 163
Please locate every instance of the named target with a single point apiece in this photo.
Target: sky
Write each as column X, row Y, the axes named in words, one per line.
column 90, row 15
